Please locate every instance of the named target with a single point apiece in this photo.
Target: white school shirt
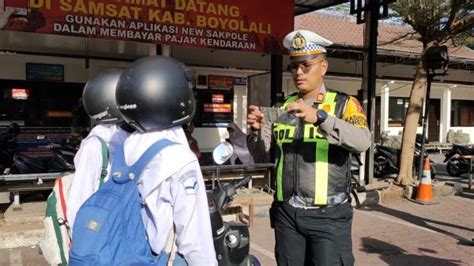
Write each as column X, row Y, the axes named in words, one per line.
column 88, row 165
column 173, row 189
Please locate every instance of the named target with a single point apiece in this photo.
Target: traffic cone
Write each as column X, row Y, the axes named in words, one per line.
column 424, row 195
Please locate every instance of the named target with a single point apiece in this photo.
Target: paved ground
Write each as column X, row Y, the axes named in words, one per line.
column 403, row 233
column 396, row 233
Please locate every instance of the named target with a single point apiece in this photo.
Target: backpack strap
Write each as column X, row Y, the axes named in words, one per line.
column 105, row 160
column 62, row 196
column 125, row 173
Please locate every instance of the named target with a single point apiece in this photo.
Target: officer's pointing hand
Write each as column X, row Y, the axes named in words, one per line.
column 255, row 117
column 304, row 111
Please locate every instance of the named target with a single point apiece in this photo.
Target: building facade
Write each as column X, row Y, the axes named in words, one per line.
column 42, row 76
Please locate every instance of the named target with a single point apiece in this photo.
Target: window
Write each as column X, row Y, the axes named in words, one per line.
column 462, row 113
column 396, row 111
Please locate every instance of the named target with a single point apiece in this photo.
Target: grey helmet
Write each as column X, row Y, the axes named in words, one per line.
column 99, row 98
column 154, row 93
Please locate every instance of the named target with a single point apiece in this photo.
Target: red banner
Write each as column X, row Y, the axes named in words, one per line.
column 245, row 25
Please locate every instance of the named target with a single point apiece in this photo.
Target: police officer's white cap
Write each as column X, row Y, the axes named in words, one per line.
column 304, row 44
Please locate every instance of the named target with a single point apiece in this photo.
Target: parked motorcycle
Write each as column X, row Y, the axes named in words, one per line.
column 387, row 163
column 231, row 239
column 13, row 162
column 8, row 145
column 457, row 162
column 63, row 158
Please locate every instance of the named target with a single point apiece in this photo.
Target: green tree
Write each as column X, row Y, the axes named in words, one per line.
column 436, row 22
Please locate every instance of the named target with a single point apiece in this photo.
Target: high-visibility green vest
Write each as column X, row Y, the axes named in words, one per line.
column 308, row 165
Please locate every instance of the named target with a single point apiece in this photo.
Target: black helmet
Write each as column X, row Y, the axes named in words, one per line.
column 154, row 93
column 99, row 97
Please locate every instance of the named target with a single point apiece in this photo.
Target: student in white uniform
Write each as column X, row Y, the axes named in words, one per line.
column 100, row 105
column 155, row 97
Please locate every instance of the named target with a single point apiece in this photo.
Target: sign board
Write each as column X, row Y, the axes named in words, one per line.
column 244, row 25
column 32, row 140
column 20, row 93
column 57, row 114
column 217, row 98
column 240, row 81
column 220, row 82
column 217, row 108
column 44, row 72
column 213, row 108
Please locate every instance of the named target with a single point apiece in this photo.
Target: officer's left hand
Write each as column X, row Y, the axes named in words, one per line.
column 304, row 111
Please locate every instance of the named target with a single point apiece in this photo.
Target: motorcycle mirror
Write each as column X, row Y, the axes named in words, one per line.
column 222, row 152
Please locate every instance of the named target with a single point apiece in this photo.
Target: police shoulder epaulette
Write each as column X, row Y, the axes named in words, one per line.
column 341, row 101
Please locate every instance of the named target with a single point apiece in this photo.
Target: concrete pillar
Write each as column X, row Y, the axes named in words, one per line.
column 384, row 103
column 445, row 122
column 166, row 50
column 16, row 202
column 152, row 49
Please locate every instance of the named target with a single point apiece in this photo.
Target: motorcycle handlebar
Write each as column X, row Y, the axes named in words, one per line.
column 222, row 195
column 242, row 182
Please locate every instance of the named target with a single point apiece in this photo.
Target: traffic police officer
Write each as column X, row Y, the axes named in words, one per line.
column 311, row 214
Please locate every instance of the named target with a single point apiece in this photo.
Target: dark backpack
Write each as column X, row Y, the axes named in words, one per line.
column 109, row 229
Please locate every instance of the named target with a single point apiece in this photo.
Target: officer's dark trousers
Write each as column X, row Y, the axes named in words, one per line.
column 312, row 236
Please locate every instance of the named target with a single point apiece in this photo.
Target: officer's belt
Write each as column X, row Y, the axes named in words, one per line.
column 303, row 202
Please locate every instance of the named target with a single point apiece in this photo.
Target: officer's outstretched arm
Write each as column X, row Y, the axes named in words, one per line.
column 351, row 131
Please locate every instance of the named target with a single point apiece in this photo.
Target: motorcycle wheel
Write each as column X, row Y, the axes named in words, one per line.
column 433, row 172
column 253, row 261
column 453, row 169
column 379, row 166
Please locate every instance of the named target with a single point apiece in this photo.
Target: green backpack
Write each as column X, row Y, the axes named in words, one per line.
column 57, row 237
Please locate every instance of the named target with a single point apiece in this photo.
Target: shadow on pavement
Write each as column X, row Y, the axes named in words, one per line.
column 394, row 255
column 423, row 222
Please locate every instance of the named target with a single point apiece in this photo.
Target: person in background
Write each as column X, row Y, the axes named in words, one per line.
column 8, row 145
column 311, row 213
column 80, row 123
column 193, row 144
column 238, row 139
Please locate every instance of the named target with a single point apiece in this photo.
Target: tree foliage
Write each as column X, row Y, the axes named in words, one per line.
column 437, row 22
